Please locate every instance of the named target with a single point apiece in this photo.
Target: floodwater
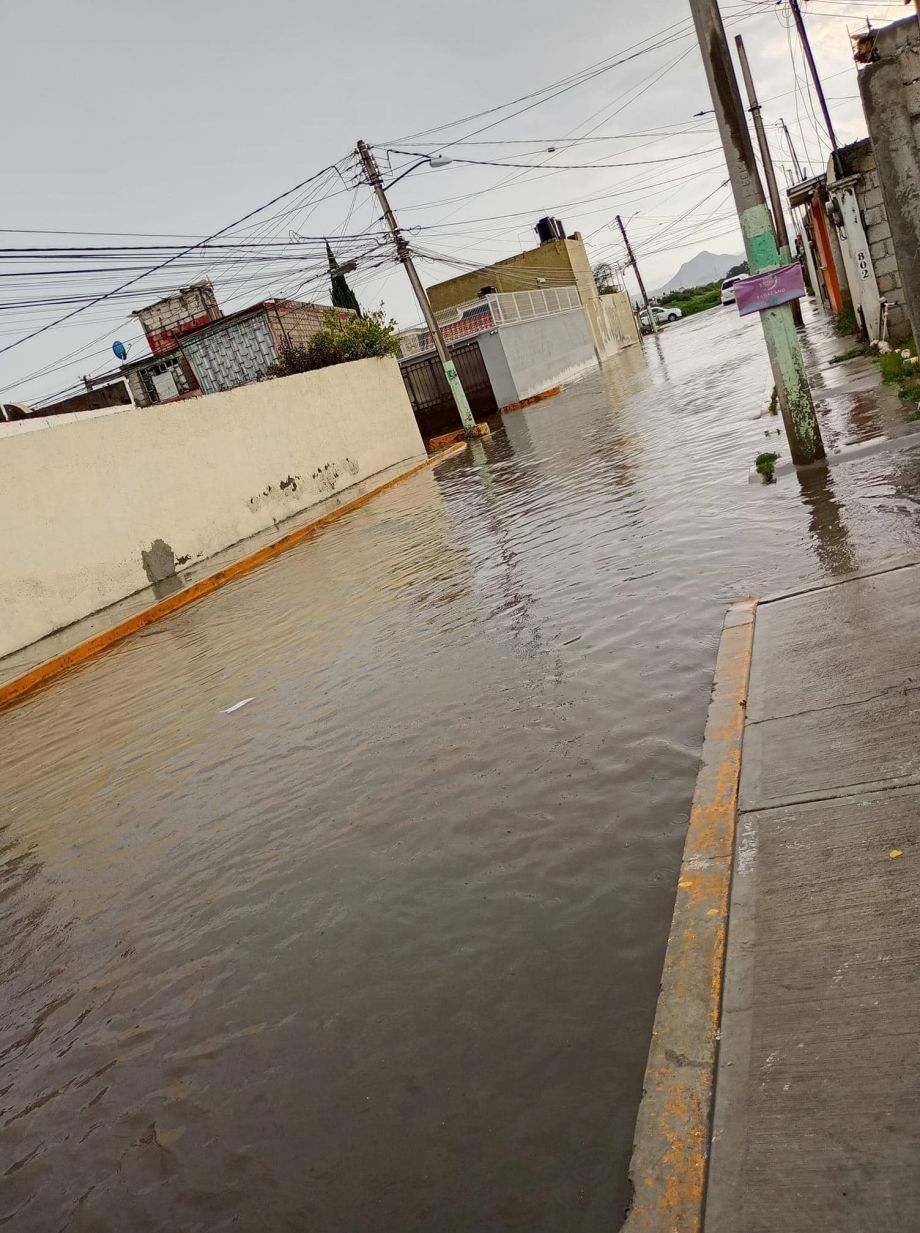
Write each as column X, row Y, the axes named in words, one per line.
column 378, row 952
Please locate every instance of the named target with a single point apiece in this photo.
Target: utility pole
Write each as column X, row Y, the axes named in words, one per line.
column 801, row 423
column 819, row 89
column 776, row 201
column 404, row 255
column 803, row 232
column 632, row 262
column 800, row 174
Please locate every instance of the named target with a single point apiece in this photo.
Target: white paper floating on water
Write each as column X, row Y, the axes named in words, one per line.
column 228, row 710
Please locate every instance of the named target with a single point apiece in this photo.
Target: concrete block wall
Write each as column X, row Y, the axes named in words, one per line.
column 99, row 506
column 881, row 246
column 890, row 198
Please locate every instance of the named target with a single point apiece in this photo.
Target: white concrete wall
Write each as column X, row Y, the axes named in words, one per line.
column 530, row 357
column 83, row 503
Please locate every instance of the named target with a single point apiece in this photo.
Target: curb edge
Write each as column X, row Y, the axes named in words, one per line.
column 671, row 1144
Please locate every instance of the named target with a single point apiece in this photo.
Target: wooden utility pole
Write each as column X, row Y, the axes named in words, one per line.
column 404, row 255
column 776, row 201
column 819, row 89
column 632, row 261
column 801, row 423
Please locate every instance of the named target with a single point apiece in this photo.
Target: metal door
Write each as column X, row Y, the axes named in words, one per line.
column 435, row 410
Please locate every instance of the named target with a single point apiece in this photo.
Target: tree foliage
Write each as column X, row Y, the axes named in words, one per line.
column 603, row 276
column 339, row 340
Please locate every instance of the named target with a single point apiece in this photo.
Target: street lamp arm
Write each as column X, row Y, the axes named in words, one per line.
column 430, row 159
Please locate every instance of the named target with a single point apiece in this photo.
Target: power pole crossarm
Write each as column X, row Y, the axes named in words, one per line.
column 404, row 255
column 632, row 261
column 783, row 348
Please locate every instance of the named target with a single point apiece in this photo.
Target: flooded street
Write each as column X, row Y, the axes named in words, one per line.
column 378, row 952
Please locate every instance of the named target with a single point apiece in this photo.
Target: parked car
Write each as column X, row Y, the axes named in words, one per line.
column 728, row 287
column 661, row 313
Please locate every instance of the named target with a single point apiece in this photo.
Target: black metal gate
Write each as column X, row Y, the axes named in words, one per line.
column 433, row 404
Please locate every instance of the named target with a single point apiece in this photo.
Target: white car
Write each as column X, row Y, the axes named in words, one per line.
column 728, row 287
column 662, row 314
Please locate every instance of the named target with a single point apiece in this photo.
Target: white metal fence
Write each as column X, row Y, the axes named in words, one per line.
column 509, row 306
column 476, row 316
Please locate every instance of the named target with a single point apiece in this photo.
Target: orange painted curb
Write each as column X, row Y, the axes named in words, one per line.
column 13, row 691
column 673, row 1129
column 528, row 402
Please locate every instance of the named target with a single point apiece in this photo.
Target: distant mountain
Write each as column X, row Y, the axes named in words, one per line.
column 701, row 269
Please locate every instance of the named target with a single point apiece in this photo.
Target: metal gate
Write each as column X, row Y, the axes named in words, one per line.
column 433, row 404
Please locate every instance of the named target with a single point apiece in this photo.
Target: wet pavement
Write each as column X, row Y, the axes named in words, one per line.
column 379, row 951
column 817, row 1115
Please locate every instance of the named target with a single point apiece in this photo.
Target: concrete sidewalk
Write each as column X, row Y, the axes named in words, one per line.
column 817, row 1109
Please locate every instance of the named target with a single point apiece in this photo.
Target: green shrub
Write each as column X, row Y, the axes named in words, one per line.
column 692, row 300
column 765, row 465
column 339, row 340
column 896, row 370
column 846, row 322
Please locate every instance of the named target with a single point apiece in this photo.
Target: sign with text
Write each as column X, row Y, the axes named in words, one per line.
column 760, row 291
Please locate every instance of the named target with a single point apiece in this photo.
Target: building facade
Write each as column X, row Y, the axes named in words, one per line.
column 558, row 263
column 221, row 353
column 889, row 86
column 857, row 210
column 168, row 319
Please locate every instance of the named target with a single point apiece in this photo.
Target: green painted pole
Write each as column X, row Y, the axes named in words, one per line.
column 766, row 161
column 802, row 430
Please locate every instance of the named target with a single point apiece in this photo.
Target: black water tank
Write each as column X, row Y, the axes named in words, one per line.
column 545, row 230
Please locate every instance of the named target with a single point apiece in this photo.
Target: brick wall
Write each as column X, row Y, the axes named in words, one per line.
column 299, row 321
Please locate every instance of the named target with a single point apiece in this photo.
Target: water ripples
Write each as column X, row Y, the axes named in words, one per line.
column 380, row 950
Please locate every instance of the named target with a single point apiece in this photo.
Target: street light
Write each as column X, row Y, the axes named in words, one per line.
column 432, row 160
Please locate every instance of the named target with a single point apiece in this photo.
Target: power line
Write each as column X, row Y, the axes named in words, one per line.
column 137, row 278
column 674, row 158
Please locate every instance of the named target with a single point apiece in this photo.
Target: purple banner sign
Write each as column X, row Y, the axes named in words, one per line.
column 760, row 291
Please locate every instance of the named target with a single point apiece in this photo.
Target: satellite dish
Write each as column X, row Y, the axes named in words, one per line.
column 121, row 351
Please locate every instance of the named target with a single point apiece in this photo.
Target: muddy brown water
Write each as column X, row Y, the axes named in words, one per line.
column 379, row 951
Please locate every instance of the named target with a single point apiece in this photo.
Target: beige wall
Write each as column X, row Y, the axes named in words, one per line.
column 84, row 502
column 616, row 320
column 551, row 263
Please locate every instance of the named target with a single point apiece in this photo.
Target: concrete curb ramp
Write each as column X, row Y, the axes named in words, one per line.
column 12, row 691
column 671, row 1146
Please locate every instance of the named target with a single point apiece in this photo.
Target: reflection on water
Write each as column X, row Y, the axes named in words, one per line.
column 380, row 950
column 830, row 535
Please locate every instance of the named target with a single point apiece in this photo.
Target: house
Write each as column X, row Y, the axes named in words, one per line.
column 242, row 346
column 558, row 262
column 168, row 319
column 201, row 350
column 826, row 259
column 857, row 211
column 888, row 85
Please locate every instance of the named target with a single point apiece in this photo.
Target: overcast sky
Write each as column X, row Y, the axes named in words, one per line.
column 170, row 121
